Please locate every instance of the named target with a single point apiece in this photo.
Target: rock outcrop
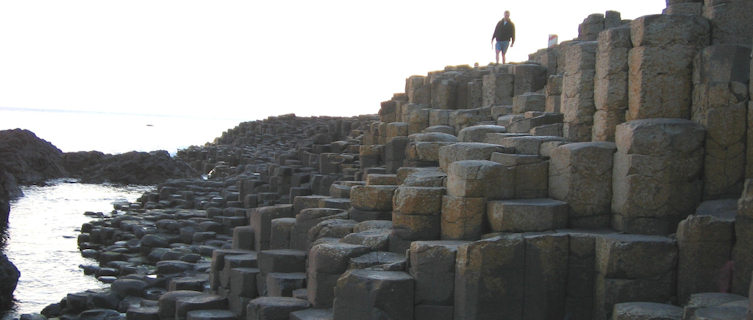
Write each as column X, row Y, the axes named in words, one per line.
column 145, row 168
column 26, row 159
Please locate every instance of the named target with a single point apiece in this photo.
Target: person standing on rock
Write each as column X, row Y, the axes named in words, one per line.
column 505, row 35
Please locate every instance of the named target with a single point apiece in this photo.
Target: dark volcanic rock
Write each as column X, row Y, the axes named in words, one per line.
column 28, row 159
column 4, row 207
column 8, row 279
column 128, row 168
column 80, row 163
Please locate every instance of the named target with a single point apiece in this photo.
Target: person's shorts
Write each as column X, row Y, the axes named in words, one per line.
column 502, row 46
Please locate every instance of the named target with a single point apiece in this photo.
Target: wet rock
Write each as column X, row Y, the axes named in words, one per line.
column 9, row 275
column 100, row 314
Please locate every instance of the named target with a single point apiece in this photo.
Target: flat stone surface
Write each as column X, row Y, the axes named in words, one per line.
column 312, row 314
column 646, row 311
column 274, row 308
column 210, row 315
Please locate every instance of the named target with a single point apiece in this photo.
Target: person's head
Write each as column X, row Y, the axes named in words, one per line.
column 507, row 14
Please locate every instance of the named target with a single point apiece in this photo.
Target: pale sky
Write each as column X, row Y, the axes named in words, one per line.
column 247, row 60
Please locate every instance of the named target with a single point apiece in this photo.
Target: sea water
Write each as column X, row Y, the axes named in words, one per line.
column 42, row 239
column 114, row 133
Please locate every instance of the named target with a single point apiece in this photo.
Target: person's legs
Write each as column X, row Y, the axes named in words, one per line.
column 503, row 48
column 498, row 49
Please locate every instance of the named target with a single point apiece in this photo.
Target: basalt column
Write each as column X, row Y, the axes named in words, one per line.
column 656, row 180
column 660, row 64
column 720, row 98
column 578, row 90
column 611, row 83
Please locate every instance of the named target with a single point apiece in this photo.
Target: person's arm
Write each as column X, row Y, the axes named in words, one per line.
column 513, row 34
column 495, row 33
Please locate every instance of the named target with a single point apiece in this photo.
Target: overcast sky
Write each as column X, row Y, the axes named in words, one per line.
column 247, row 60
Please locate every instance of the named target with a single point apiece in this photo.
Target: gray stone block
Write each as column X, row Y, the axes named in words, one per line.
column 705, row 247
column 529, row 101
column 274, row 308
column 281, row 260
column 581, row 175
column 720, row 105
column 663, row 30
column 546, row 260
column 243, row 238
column 729, row 21
column 432, row 266
column 472, row 178
column 463, row 218
column 529, row 172
column 363, row 294
column 646, row 311
column 529, row 78
column 418, row 200
column 375, row 198
column 261, row 221
column 498, row 88
column 307, row 219
column 526, row 215
column 707, row 299
column 281, row 233
column 478, row 133
column 283, row 284
column 487, row 278
column 656, row 176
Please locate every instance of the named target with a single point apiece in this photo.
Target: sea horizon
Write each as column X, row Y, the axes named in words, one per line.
column 116, row 132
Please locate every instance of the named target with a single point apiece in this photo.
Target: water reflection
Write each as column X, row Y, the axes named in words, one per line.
column 42, row 238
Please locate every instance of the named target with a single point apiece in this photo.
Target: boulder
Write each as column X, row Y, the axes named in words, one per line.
column 9, row 275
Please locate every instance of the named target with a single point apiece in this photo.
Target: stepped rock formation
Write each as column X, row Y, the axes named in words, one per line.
column 601, row 179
